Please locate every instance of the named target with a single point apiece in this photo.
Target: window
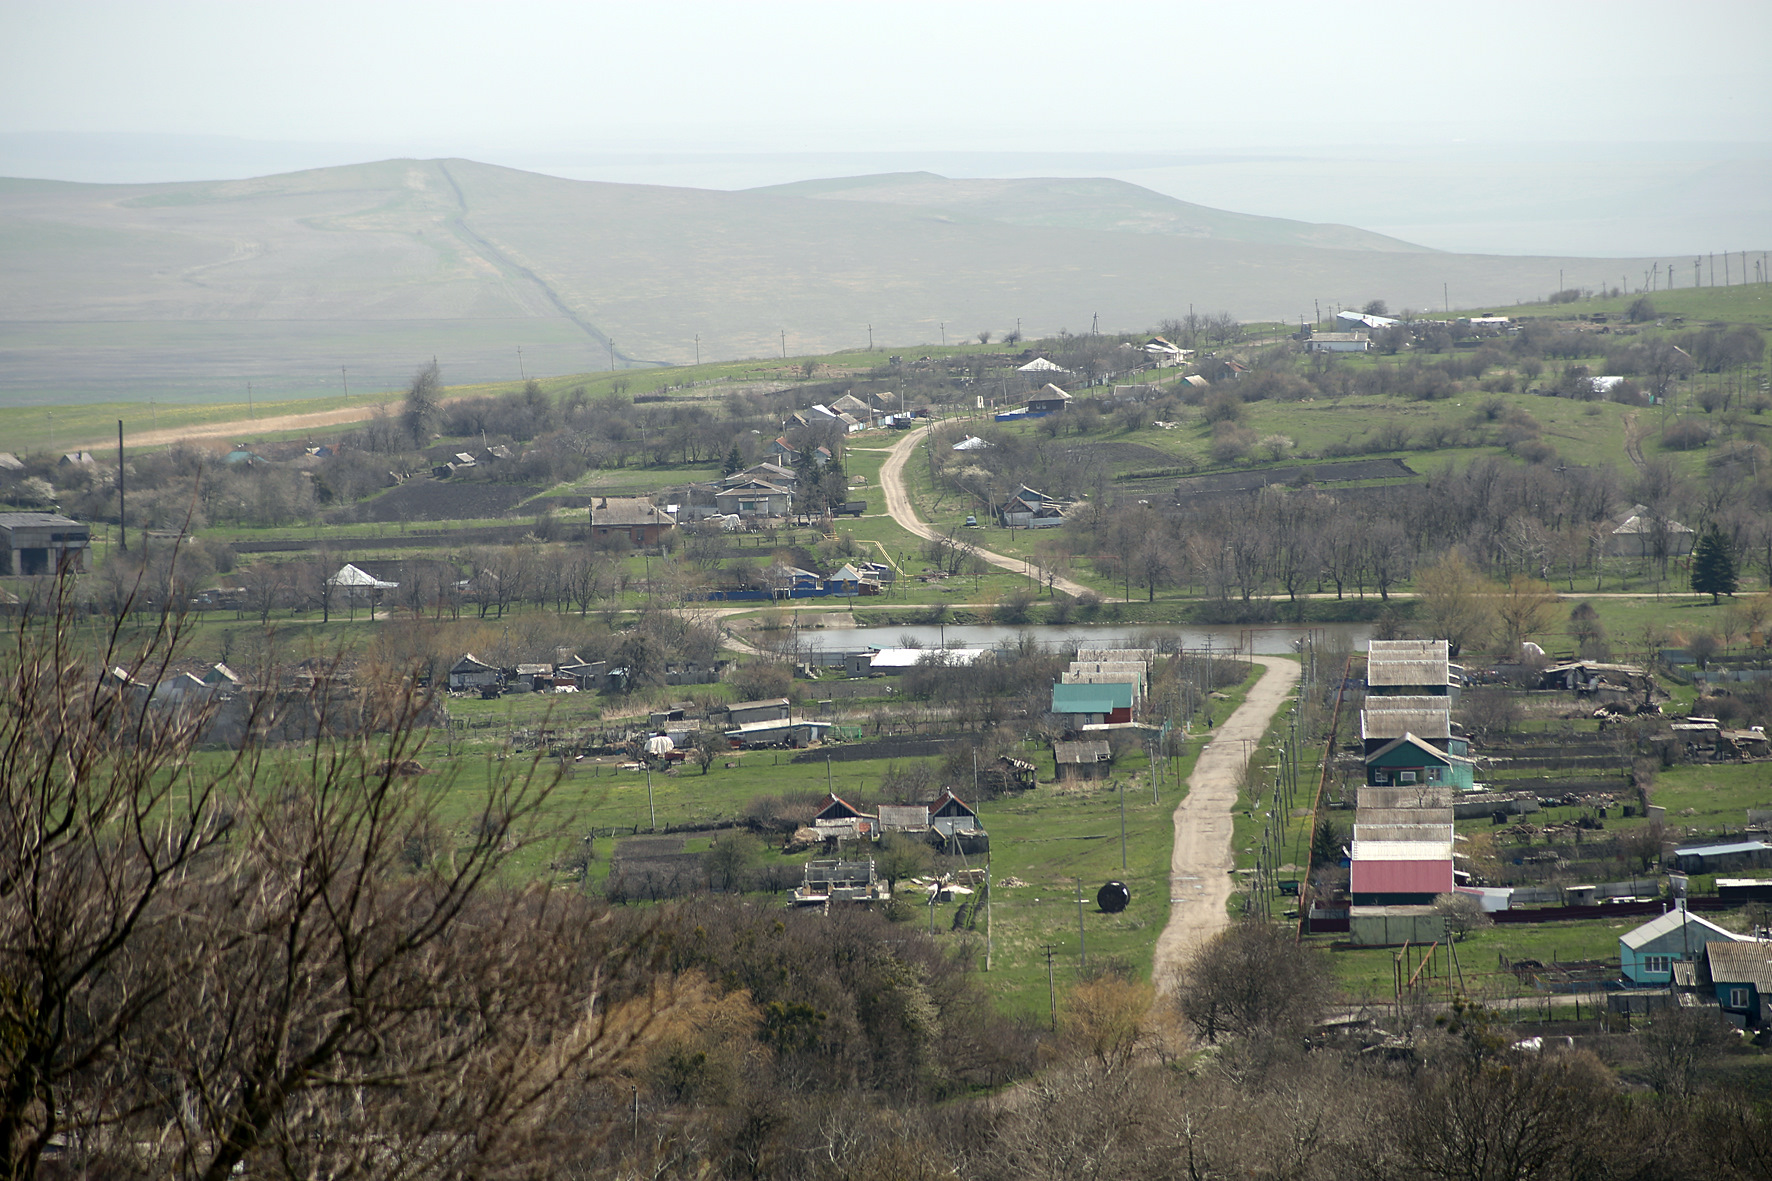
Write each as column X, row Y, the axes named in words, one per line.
column 1434, row 774
column 1657, row 963
column 1405, row 777
column 1380, row 777
column 1738, row 998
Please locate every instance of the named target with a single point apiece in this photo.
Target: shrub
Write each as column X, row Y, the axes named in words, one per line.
column 1686, row 434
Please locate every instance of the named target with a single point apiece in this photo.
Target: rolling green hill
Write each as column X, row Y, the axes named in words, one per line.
column 188, row 292
column 1083, row 204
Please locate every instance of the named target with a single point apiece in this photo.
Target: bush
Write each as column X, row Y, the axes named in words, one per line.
column 1686, row 434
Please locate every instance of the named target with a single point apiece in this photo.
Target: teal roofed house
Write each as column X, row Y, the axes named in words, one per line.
column 1407, row 761
column 1087, row 705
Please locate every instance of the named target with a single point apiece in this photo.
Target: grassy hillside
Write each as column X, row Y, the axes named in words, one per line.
column 1084, row 204
column 189, row 291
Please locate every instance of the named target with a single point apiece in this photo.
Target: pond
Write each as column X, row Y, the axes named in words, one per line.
column 1263, row 640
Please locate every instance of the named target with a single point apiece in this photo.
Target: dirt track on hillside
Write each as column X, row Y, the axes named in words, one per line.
column 1199, row 868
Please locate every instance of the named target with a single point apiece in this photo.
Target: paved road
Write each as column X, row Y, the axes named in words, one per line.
column 1199, row 868
column 898, row 506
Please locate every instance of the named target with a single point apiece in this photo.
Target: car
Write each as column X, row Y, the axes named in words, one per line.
column 971, row 520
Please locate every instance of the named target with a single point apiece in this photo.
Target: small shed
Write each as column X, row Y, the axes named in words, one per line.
column 1647, row 954
column 767, row 710
column 1089, row 759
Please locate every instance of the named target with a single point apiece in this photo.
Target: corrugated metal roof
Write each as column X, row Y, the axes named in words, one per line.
column 911, row 657
column 1721, row 850
column 1091, row 699
column 1413, row 796
column 1087, row 751
column 1408, row 649
column 1403, row 851
column 1407, row 672
column 1667, row 924
column 1401, row 877
column 1394, row 723
column 1741, row 963
column 1438, row 833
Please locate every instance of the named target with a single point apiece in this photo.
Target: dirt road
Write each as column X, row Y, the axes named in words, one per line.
column 242, row 428
column 898, row 506
column 1199, row 868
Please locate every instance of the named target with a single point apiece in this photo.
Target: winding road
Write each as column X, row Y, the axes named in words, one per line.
column 1200, row 865
column 898, row 506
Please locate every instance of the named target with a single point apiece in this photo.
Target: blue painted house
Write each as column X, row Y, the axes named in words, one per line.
column 1741, row 973
column 1409, row 761
column 1648, row 954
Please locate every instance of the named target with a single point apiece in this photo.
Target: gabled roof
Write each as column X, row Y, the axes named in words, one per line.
column 847, row 573
column 753, row 487
column 835, row 807
column 1098, row 698
column 1041, row 365
column 769, row 701
column 10, row 462
column 1668, row 923
column 949, row 804
column 351, row 576
column 1409, row 745
column 1050, row 393
column 628, row 510
column 1094, row 750
column 1741, row 963
column 469, row 663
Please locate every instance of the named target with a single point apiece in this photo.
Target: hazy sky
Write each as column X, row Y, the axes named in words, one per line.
column 758, row 76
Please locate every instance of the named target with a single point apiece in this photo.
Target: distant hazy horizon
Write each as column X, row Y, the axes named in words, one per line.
column 1544, row 127
column 1595, row 199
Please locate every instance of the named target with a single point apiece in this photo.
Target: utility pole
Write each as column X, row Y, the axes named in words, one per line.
column 870, row 338
column 944, row 334
column 122, row 514
column 249, row 412
column 988, row 945
column 521, row 376
column 784, row 344
column 344, row 381
column 649, row 805
column 698, row 348
column 612, row 354
column 1123, row 818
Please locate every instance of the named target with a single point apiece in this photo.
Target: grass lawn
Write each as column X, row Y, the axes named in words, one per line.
column 1368, row 973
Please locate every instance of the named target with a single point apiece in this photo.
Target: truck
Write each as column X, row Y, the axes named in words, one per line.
column 850, row 508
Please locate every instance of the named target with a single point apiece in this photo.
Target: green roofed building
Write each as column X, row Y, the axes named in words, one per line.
column 1086, row 705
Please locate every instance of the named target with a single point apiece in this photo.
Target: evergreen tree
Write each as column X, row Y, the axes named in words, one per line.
column 734, row 462
column 1713, row 565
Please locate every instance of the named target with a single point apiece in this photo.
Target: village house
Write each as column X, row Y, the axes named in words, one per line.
column 1640, row 533
column 1028, row 509
column 42, row 543
column 1093, row 705
column 1741, row 976
column 634, row 518
column 754, row 498
column 472, row 673
column 1408, row 760
column 1338, row 342
column 836, row 817
column 1049, row 400
column 1647, row 954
